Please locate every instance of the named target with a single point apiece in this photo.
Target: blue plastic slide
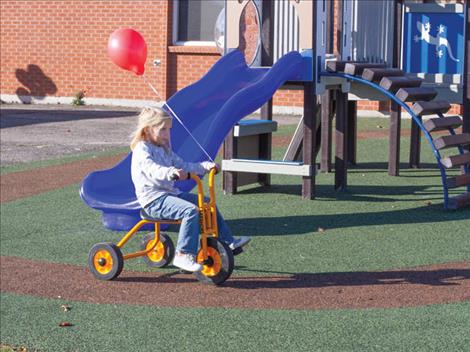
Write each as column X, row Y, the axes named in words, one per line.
column 209, row 108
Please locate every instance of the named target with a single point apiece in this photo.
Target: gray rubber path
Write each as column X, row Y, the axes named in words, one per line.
column 39, row 132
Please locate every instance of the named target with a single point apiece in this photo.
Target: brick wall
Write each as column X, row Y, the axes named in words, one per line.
column 57, row 48
column 60, row 47
column 188, row 64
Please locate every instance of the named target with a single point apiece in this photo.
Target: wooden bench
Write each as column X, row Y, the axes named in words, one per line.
column 248, row 141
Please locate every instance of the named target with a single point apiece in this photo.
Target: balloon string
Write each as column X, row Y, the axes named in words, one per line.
column 177, row 118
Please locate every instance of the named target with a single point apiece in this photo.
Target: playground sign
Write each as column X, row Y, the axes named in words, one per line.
column 433, row 42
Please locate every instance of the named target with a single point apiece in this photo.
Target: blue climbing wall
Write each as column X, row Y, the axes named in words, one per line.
column 433, row 42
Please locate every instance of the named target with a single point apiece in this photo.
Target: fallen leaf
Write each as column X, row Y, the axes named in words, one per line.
column 12, row 348
column 65, row 324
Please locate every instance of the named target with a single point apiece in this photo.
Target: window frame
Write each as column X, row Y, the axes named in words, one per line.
column 176, row 7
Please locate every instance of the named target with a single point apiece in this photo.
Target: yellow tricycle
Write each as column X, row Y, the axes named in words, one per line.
column 106, row 260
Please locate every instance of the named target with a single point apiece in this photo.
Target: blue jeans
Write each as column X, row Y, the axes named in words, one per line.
column 184, row 207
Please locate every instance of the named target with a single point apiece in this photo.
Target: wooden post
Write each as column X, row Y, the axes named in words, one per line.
column 352, row 132
column 415, row 145
column 341, row 162
column 339, row 33
column 229, row 180
column 326, row 98
column 466, row 73
column 394, row 140
column 326, row 131
column 395, row 109
column 310, row 119
column 267, row 59
column 415, row 138
column 309, row 140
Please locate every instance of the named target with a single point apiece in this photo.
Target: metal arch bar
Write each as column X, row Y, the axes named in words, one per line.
column 413, row 116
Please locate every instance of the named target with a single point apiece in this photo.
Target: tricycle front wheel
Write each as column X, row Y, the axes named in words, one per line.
column 219, row 264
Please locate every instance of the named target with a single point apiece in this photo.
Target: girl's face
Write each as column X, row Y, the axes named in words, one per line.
column 159, row 135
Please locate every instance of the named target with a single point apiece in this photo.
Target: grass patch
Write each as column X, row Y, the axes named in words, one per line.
column 363, row 124
column 379, row 223
column 34, row 322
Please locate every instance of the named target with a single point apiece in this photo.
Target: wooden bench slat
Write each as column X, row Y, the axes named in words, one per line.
column 393, row 84
column 452, row 141
column 421, row 108
column 460, row 201
column 456, row 160
column 267, row 167
column 416, row 93
column 376, row 74
column 356, row 69
column 254, row 127
column 458, row 181
column 442, row 123
column 338, row 66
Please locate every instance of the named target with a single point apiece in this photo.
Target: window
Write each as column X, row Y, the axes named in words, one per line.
column 195, row 21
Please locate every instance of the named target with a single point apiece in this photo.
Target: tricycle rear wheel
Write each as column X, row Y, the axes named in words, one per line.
column 163, row 252
column 105, row 261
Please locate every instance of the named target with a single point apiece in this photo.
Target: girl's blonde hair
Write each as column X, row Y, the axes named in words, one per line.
column 148, row 117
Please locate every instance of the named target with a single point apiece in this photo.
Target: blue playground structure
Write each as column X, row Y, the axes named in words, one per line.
column 209, row 108
column 231, row 90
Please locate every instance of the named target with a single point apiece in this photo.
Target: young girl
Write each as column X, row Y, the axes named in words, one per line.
column 153, row 170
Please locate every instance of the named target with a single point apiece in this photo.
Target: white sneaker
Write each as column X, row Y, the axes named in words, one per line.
column 186, row 262
column 239, row 242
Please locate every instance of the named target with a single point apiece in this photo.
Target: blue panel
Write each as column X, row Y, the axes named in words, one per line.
column 209, row 109
column 433, row 43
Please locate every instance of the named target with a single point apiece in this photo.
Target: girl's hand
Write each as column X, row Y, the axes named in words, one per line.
column 181, row 174
column 208, row 166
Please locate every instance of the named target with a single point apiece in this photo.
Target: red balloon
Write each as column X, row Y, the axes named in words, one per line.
column 127, row 49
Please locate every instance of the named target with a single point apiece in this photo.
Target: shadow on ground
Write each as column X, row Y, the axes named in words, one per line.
column 303, row 224
column 355, row 192
column 438, row 277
